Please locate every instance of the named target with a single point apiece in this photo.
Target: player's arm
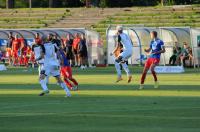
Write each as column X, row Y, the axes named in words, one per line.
column 42, row 53
column 116, row 49
column 147, row 50
column 118, row 45
column 161, row 51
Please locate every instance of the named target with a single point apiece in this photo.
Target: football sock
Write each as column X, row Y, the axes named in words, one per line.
column 154, row 76
column 143, row 77
column 74, row 81
column 126, row 69
column 117, row 67
column 43, row 84
column 68, row 83
column 65, row 87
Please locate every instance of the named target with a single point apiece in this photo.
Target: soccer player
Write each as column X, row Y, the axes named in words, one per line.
column 9, row 47
column 125, row 42
column 15, row 50
column 75, row 46
column 82, row 52
column 155, row 49
column 37, row 50
column 23, row 50
column 51, row 66
column 66, row 70
column 68, row 48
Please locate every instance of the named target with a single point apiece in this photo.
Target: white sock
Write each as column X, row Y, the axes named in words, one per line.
column 126, row 69
column 117, row 67
column 63, row 85
column 43, row 84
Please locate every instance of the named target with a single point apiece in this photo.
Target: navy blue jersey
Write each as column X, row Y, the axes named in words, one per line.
column 156, row 46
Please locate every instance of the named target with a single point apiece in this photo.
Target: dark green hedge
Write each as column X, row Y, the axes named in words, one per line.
column 101, row 3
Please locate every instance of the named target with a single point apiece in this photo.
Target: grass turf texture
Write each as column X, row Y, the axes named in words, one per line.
column 101, row 105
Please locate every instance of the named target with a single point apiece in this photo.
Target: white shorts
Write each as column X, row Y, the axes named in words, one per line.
column 126, row 54
column 52, row 70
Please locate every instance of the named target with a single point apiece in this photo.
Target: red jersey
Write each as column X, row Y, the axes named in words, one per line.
column 16, row 45
column 76, row 43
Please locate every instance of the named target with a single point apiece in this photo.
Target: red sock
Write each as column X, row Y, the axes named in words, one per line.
column 68, row 83
column 154, row 76
column 74, row 81
column 143, row 77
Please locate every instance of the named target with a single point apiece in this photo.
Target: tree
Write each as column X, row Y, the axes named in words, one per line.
column 10, row 4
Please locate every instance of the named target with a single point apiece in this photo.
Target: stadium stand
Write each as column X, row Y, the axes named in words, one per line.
column 176, row 16
column 34, row 18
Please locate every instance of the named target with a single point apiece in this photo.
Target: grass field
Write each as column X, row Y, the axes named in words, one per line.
column 101, row 105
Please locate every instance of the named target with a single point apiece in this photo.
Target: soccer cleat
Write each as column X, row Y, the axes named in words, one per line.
column 118, row 79
column 44, row 92
column 141, row 86
column 68, row 95
column 156, row 85
column 129, row 79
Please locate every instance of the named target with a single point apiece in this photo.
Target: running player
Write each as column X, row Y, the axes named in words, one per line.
column 155, row 50
column 66, row 70
column 125, row 42
column 51, row 66
column 37, row 50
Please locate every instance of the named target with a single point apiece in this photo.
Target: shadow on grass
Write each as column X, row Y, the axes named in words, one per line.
column 102, row 87
column 90, row 71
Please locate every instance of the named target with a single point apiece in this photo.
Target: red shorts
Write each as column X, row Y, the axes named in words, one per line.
column 15, row 54
column 151, row 61
column 66, row 71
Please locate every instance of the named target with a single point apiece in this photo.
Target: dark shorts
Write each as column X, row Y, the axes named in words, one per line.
column 83, row 53
column 75, row 51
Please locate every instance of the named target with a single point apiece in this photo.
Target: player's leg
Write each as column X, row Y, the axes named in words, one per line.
column 63, row 85
column 40, row 69
column 69, row 73
column 56, row 73
column 125, row 56
column 118, row 70
column 43, row 83
column 144, row 73
column 156, row 85
column 65, row 76
column 14, row 58
column 126, row 69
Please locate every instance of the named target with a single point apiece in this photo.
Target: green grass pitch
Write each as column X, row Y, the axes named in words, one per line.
column 101, row 105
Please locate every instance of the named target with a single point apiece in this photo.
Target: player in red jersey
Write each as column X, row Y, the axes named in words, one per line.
column 9, row 47
column 15, row 50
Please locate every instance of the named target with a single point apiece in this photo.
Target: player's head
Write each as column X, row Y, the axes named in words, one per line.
column 153, row 34
column 37, row 35
column 82, row 36
column 50, row 37
column 55, row 36
column 10, row 34
column 77, row 35
column 119, row 29
column 185, row 45
column 16, row 36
